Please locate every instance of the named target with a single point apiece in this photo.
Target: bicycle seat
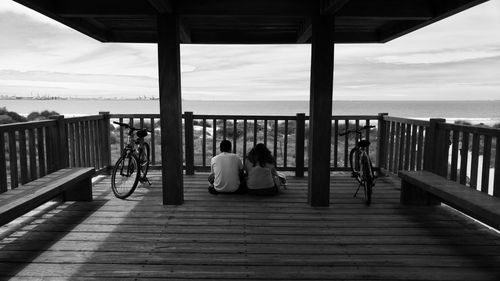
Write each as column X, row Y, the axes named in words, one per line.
column 142, row 133
column 363, row 143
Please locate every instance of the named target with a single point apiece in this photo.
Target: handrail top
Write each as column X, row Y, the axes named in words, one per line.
column 406, row 120
column 474, row 129
column 249, row 117
column 26, row 125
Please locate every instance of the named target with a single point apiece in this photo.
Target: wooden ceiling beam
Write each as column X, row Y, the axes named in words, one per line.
column 103, row 8
column 278, row 8
column 330, row 7
column 387, row 10
column 162, row 6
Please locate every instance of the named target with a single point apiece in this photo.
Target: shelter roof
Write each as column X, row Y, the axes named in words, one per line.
column 247, row 21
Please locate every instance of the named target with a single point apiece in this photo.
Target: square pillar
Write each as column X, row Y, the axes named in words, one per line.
column 320, row 107
column 170, row 109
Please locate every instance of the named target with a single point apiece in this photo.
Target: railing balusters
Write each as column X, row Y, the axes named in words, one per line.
column 235, row 135
column 392, row 144
column 496, row 184
column 3, row 164
column 299, row 144
column 407, row 147
column 275, row 144
column 224, row 130
column 255, row 132
column 13, row 160
column 214, row 137
column 420, row 147
column 397, row 147
column 32, row 154
column 23, row 156
column 346, row 145
column 413, row 151
column 285, row 145
column 204, row 145
column 41, row 151
column 474, row 161
column 336, row 143
column 485, row 178
column 464, row 155
column 121, row 136
column 265, row 132
column 153, row 141
column 454, row 156
column 245, row 127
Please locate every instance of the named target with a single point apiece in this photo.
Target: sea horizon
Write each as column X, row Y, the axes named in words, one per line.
column 474, row 111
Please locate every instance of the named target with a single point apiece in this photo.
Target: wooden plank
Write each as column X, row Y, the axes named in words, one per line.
column 464, row 151
column 474, row 161
column 23, row 157
column 265, row 132
column 245, row 139
column 71, row 144
column 346, row 144
column 214, row 137
column 420, row 148
column 299, row 144
column 235, row 135
column 454, row 156
column 14, row 180
column 485, row 178
column 397, row 148
column 122, row 144
column 414, row 144
column 407, row 147
column 41, row 152
column 224, row 129
column 255, row 131
column 391, row 142
column 336, row 144
column 496, row 183
column 3, row 164
column 153, row 141
column 204, row 143
column 275, row 140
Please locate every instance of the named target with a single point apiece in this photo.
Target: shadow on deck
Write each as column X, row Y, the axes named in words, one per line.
column 250, row 238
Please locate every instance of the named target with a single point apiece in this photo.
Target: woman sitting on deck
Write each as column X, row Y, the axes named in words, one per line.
column 260, row 168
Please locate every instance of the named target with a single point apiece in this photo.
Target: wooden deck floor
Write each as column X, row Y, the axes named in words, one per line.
column 241, row 237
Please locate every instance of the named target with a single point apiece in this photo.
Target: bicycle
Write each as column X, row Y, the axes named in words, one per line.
column 361, row 165
column 133, row 164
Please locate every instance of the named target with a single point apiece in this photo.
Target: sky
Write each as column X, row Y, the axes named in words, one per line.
column 455, row 59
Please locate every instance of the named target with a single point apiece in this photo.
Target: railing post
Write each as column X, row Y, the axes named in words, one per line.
column 300, row 144
column 189, row 143
column 436, row 148
column 382, row 142
column 59, row 142
column 105, row 139
column 3, row 165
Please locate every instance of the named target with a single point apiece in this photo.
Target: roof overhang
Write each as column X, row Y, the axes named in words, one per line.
column 247, row 21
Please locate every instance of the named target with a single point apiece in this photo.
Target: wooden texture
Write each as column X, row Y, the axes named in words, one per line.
column 320, row 108
column 171, row 112
column 299, row 145
column 243, row 237
column 475, row 203
column 15, row 203
column 248, row 22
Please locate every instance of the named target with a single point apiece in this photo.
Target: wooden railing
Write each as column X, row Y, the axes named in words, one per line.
column 285, row 136
column 467, row 154
column 31, row 150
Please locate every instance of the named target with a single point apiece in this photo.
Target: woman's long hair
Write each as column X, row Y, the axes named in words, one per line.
column 261, row 155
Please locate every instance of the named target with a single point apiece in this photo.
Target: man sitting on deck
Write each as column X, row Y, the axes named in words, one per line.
column 226, row 170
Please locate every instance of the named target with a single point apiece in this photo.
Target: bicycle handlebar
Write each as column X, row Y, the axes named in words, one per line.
column 127, row 126
column 356, row 131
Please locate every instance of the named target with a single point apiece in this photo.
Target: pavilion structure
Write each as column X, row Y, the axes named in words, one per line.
column 321, row 23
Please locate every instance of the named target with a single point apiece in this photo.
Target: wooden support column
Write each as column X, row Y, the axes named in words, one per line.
column 170, row 108
column 320, row 107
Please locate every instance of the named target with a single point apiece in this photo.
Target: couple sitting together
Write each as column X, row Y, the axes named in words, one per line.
column 258, row 176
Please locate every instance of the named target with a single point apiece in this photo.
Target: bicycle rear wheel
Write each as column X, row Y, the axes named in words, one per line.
column 368, row 179
column 125, row 176
column 144, row 161
column 354, row 156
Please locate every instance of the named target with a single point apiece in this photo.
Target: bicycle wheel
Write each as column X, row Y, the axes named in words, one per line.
column 125, row 176
column 368, row 179
column 354, row 156
column 144, row 161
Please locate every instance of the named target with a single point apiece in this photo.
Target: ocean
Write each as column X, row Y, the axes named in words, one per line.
column 487, row 112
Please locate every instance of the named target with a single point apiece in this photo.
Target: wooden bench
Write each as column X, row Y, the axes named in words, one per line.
column 73, row 184
column 425, row 188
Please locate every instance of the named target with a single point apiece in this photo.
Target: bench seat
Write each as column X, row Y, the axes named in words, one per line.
column 74, row 184
column 426, row 188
